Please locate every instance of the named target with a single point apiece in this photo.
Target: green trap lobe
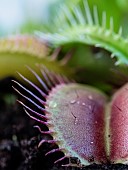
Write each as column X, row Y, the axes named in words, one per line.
column 77, row 114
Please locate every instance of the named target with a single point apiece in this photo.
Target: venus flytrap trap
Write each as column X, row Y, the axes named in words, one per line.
column 86, row 28
column 76, row 27
column 21, row 50
column 82, row 28
column 82, row 120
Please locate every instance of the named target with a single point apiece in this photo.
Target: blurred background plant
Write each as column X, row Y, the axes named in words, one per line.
column 26, row 16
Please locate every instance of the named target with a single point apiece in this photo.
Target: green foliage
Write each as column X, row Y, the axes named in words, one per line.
column 85, row 25
column 18, row 51
column 90, row 30
column 87, row 29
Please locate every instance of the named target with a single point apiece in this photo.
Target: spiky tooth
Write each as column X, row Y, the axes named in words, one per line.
column 38, row 78
column 61, row 159
column 47, row 141
column 24, row 43
column 53, row 151
column 36, row 119
column 119, row 126
column 77, row 114
column 96, row 17
column 33, row 85
column 43, row 132
column 33, row 111
column 29, row 92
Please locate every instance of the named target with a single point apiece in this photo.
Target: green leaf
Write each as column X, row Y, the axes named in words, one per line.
column 75, row 27
column 18, row 51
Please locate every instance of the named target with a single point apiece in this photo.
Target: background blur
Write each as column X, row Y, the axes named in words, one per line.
column 18, row 16
column 21, row 15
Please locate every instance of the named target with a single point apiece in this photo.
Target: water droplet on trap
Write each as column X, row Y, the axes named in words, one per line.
column 52, row 104
column 90, row 107
column 73, row 101
column 78, row 102
column 90, row 97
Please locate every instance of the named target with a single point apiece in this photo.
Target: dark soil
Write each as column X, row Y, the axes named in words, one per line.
column 19, row 139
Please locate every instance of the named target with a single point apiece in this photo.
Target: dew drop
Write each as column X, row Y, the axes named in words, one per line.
column 52, row 104
column 73, row 101
column 112, row 55
column 83, row 104
column 76, row 121
column 98, row 45
column 90, row 107
column 90, row 97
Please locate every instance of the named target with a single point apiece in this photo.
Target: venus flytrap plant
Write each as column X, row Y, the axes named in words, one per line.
column 76, row 27
column 18, row 51
column 86, row 28
column 82, row 120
